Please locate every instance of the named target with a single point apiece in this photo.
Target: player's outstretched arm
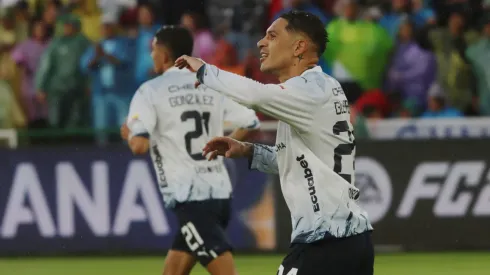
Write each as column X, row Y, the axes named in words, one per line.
column 244, row 119
column 292, row 104
column 261, row 157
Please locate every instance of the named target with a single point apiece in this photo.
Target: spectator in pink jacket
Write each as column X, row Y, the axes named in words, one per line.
column 27, row 56
column 204, row 44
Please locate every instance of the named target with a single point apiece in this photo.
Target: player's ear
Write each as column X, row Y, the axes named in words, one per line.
column 300, row 47
column 165, row 55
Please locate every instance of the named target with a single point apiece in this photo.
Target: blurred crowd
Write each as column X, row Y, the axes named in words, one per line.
column 77, row 63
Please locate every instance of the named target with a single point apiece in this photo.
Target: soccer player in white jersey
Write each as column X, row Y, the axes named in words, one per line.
column 315, row 147
column 173, row 120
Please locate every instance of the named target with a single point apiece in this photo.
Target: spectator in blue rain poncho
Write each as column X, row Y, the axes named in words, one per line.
column 106, row 63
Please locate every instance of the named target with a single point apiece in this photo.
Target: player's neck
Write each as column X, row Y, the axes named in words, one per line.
column 296, row 69
column 167, row 66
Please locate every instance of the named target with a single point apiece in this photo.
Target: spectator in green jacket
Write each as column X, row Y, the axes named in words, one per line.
column 479, row 56
column 59, row 79
column 357, row 52
column 454, row 71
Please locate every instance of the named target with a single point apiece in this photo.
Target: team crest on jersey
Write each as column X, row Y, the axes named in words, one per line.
column 134, row 117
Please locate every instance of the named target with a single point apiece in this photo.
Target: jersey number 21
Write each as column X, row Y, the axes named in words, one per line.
column 199, row 121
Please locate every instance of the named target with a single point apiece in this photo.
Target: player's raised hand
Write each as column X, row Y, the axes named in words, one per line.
column 227, row 147
column 189, row 62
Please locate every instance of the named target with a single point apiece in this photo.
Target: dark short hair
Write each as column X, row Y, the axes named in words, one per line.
column 177, row 40
column 309, row 24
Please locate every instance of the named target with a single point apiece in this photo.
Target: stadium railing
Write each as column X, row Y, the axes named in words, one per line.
column 389, row 129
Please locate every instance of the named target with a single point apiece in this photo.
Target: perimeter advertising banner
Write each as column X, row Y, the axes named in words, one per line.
column 421, row 195
column 429, row 128
column 77, row 200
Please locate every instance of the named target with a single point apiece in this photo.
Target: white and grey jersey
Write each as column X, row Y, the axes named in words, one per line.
column 179, row 120
column 314, row 152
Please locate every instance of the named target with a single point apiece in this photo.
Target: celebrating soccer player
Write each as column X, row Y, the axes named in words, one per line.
column 315, row 147
column 173, row 120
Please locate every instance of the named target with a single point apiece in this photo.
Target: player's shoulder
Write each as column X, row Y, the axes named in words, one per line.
column 154, row 84
column 318, row 83
column 171, row 81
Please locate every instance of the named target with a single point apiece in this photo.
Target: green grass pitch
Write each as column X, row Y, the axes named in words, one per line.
column 386, row 264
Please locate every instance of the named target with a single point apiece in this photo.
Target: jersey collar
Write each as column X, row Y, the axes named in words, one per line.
column 314, row 69
column 175, row 69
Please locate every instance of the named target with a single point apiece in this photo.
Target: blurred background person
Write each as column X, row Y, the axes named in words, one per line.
column 173, row 10
column 359, row 123
column 158, row 9
column 59, row 80
column 204, row 44
column 226, row 58
column 357, row 52
column 106, row 63
column 146, row 31
column 486, row 5
column 8, row 41
column 454, row 72
column 398, row 11
column 422, row 15
column 22, row 17
column 413, row 67
column 473, row 9
column 438, row 106
column 27, row 56
column 302, row 5
column 50, row 12
column 479, row 56
column 90, row 18
column 116, row 6
column 372, row 14
column 245, row 26
column 11, row 114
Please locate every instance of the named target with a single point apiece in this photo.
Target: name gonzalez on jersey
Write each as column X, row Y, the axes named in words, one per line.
column 189, row 99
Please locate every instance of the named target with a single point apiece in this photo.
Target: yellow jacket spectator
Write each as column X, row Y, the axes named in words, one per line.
column 11, row 115
column 454, row 71
column 90, row 17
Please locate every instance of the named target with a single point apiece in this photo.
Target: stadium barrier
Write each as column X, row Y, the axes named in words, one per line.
column 440, row 128
column 386, row 129
column 420, row 195
column 77, row 200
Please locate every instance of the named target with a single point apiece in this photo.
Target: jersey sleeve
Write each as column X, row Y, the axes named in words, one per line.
column 289, row 102
column 239, row 116
column 142, row 117
column 264, row 159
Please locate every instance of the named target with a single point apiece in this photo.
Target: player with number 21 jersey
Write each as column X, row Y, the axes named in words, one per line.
column 173, row 120
column 181, row 120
